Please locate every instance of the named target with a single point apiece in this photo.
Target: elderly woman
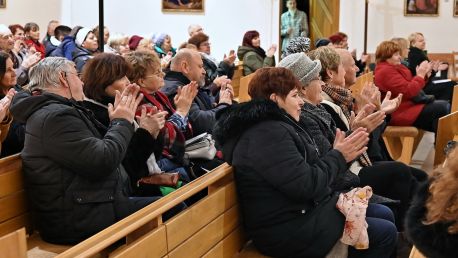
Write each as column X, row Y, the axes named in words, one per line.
column 163, row 45
column 252, row 54
column 86, row 46
column 146, row 72
column 390, row 179
column 288, row 206
column 391, row 75
column 103, row 76
column 417, row 55
column 118, row 44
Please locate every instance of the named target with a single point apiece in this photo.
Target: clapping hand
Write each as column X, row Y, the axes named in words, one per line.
column 353, row 145
column 152, row 121
column 184, row 98
column 390, row 105
column 125, row 103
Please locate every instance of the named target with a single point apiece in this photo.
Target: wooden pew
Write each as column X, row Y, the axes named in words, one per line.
column 14, row 244
column 14, row 209
column 400, row 141
column 243, row 91
column 455, row 99
column 446, row 58
column 447, row 129
column 415, row 253
column 209, row 228
column 238, row 74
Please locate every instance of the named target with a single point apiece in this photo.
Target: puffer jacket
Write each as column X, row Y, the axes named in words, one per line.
column 73, row 172
column 287, row 204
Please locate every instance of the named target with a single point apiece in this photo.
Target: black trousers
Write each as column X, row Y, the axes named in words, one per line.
column 394, row 180
column 429, row 116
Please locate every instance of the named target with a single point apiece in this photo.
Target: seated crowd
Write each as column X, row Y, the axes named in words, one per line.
column 102, row 134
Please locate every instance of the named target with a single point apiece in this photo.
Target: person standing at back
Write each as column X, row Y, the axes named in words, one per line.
column 293, row 23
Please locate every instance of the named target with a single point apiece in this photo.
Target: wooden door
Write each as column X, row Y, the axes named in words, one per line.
column 323, row 18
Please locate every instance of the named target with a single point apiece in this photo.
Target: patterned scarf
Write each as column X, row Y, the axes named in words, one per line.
column 342, row 98
column 174, row 139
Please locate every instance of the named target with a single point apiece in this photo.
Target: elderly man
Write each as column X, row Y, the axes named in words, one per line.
column 185, row 67
column 194, row 29
column 71, row 163
column 293, row 23
column 21, row 61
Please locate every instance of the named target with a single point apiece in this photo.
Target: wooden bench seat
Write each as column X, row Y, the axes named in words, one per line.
column 14, row 209
column 209, row 228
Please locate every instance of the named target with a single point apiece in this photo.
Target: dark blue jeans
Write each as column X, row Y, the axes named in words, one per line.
column 382, row 233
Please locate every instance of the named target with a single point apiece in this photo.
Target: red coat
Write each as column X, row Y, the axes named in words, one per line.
column 37, row 45
column 399, row 79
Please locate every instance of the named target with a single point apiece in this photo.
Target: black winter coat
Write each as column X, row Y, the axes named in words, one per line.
column 212, row 71
column 202, row 111
column 140, row 148
column 432, row 240
column 80, row 56
column 73, row 175
column 288, row 208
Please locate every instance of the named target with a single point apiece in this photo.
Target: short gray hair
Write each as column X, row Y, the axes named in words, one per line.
column 46, row 73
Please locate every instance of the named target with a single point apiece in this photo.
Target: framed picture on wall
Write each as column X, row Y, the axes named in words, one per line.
column 455, row 8
column 2, row 3
column 421, row 7
column 182, row 5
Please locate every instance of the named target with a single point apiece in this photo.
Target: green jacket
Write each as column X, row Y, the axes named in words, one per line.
column 252, row 61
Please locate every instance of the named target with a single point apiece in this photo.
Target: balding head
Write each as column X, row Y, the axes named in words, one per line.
column 189, row 63
column 349, row 65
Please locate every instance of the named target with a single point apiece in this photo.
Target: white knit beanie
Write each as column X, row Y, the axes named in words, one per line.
column 81, row 36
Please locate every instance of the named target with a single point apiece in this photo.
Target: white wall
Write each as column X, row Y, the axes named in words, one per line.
column 23, row 11
column 387, row 20
column 224, row 21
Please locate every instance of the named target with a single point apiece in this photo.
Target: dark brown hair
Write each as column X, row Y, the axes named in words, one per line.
column 248, row 37
column 270, row 80
column 198, row 39
column 101, row 71
column 386, row 50
column 3, row 58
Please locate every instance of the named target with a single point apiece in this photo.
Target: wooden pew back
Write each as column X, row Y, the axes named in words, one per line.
column 14, row 209
column 447, row 129
column 209, row 228
column 446, row 58
column 238, row 74
column 360, row 82
column 243, row 91
column 14, row 212
column 455, row 99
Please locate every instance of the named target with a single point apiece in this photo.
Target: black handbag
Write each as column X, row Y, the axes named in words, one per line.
column 423, row 98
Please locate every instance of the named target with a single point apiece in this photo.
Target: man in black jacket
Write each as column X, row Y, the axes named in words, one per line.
column 185, row 67
column 71, row 163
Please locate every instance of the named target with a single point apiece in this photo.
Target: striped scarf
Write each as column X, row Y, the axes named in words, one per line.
column 342, row 98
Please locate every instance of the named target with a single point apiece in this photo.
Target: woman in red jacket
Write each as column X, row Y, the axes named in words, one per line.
column 391, row 75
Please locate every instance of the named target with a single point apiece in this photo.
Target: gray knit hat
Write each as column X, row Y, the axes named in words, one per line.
column 297, row 45
column 302, row 67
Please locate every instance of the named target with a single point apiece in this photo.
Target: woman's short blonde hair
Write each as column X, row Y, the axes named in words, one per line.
column 413, row 37
column 329, row 58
